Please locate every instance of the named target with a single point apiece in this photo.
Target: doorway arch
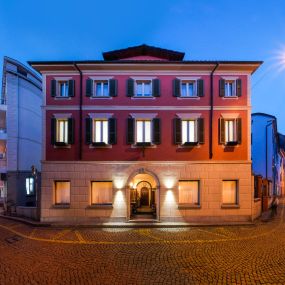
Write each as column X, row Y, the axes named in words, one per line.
column 143, row 195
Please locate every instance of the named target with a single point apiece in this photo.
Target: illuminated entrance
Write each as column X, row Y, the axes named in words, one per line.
column 143, row 193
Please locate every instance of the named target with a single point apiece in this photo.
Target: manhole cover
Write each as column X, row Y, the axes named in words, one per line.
column 13, row 239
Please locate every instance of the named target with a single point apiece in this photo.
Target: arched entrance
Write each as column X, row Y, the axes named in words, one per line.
column 143, row 196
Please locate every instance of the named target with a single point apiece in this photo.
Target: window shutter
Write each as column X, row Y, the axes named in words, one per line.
column 89, row 87
column 53, row 131
column 156, row 88
column 238, row 87
column 53, row 88
column 201, row 131
column 177, row 131
column 156, row 131
column 71, row 87
column 88, row 130
column 222, row 88
column 130, row 87
column 113, row 87
column 221, row 131
column 112, row 126
column 239, row 130
column 176, row 87
column 70, row 131
column 130, row 131
column 200, row 88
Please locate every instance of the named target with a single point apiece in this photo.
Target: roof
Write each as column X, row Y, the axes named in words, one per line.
column 144, row 49
column 263, row 115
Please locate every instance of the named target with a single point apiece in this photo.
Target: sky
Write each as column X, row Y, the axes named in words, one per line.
column 203, row 29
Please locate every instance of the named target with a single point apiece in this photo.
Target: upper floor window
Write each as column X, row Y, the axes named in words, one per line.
column 230, row 88
column 30, row 186
column 143, row 88
column 100, row 131
column 62, row 88
column 101, row 88
column 188, row 88
column 188, row 132
column 143, row 132
column 230, row 131
column 62, row 131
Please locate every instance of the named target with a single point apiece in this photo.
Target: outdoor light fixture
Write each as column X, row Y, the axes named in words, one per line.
column 119, row 183
column 169, row 183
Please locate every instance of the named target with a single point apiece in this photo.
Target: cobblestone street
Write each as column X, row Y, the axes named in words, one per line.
column 197, row 255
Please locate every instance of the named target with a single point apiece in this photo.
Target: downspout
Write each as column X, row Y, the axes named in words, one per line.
column 80, row 114
column 212, row 111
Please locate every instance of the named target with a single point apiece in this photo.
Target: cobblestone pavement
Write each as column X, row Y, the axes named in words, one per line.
column 197, row 255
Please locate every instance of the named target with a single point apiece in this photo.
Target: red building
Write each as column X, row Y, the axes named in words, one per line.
column 144, row 133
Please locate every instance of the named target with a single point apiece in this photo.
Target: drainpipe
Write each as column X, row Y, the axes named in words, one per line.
column 80, row 113
column 212, row 111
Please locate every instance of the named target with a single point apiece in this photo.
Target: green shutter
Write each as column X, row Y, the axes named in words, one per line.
column 71, row 88
column 221, row 131
column 53, row 131
column 156, row 131
column 112, row 126
column 200, row 88
column 130, row 131
column 88, row 130
column 238, row 87
column 156, row 88
column 113, row 87
column 130, row 87
column 201, row 131
column 239, row 130
column 70, row 131
column 89, row 87
column 53, row 88
column 177, row 130
column 222, row 88
column 176, row 87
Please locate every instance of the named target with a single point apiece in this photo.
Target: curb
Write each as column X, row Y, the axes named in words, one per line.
column 25, row 221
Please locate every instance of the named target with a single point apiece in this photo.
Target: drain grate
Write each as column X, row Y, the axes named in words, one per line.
column 13, row 239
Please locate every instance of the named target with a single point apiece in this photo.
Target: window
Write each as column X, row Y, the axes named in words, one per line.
column 189, row 192
column 230, row 89
column 189, row 131
column 101, row 192
column 230, row 192
column 143, row 88
column 30, row 186
column 101, row 89
column 62, row 192
column 62, row 131
column 63, row 88
column 188, row 89
column 230, row 131
column 100, row 131
column 143, row 131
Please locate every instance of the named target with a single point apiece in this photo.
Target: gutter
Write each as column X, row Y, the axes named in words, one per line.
column 80, row 113
column 212, row 111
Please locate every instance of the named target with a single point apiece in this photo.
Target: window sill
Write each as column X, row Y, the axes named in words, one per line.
column 100, row 145
column 100, row 206
column 230, row 97
column 100, row 97
column 230, row 206
column 189, row 97
column 257, row 200
column 234, row 143
column 144, row 145
column 190, row 144
column 188, row 206
column 143, row 97
column 61, row 206
column 61, row 145
column 62, row 98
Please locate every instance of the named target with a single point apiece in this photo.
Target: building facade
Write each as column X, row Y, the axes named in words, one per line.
column 146, row 134
column 20, row 132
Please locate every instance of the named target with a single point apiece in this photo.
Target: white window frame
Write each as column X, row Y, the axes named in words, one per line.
column 227, row 130
column 143, row 82
column 187, row 82
column 227, row 88
column 104, row 123
column 65, row 130
column 110, row 202
column 59, row 82
column 101, row 82
column 236, row 192
column 30, row 186
column 188, row 131
column 55, row 192
column 198, row 193
column 143, row 131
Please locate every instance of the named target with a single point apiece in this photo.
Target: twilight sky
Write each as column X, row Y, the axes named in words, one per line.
column 204, row 30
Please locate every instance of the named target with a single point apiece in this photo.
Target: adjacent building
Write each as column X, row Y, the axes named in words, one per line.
column 144, row 134
column 20, row 132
